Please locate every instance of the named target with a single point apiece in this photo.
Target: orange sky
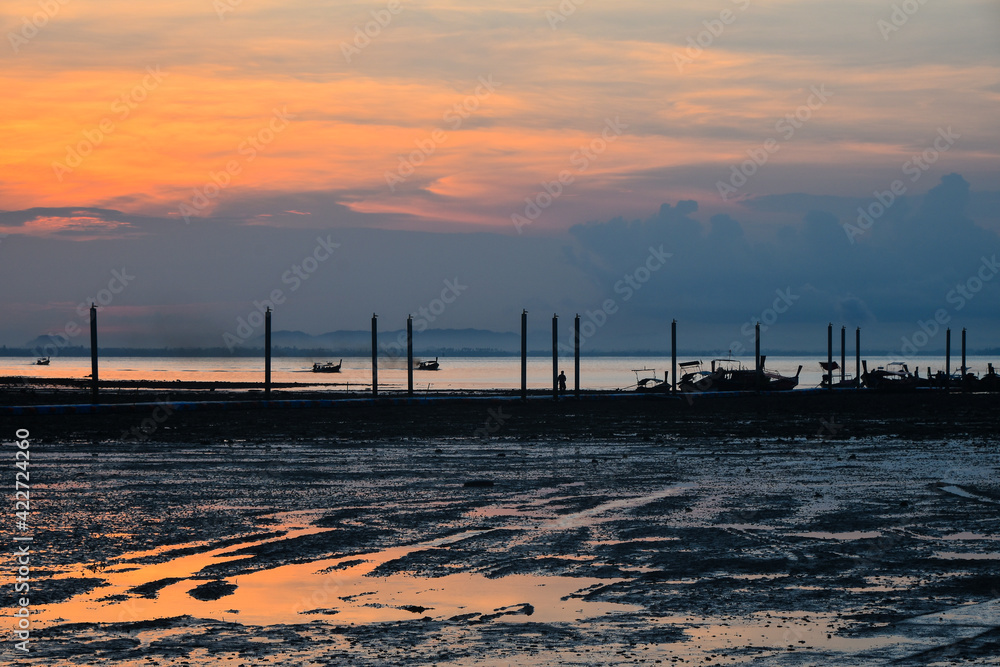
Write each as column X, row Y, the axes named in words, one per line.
column 83, row 82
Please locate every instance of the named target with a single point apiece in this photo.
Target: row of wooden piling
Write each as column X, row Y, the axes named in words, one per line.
column 95, row 395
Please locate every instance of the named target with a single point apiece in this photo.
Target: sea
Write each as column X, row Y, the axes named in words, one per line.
column 455, row 373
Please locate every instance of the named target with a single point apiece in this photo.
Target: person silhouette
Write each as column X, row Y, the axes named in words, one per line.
column 562, row 382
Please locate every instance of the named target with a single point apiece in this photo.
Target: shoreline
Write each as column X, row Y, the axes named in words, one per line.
column 184, row 416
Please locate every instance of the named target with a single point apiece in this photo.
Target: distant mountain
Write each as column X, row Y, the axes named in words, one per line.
column 432, row 341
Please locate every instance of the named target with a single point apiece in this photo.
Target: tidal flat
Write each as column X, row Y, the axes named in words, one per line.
column 590, row 532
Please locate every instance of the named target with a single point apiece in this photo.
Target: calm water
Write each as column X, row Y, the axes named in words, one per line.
column 456, row 372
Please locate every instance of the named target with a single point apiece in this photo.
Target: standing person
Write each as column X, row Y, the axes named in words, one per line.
column 562, row 382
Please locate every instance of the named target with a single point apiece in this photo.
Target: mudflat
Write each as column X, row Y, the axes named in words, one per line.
column 843, row 529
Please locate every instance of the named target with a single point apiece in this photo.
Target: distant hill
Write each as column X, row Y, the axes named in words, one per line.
column 432, row 341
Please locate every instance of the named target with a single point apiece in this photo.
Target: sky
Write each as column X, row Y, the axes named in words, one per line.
column 717, row 163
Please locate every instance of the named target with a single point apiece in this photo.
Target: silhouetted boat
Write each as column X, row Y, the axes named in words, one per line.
column 693, row 377
column 775, row 381
column 829, row 368
column 651, row 384
column 42, row 361
column 328, row 367
column 731, row 375
column 989, row 382
column 428, row 365
column 895, row 376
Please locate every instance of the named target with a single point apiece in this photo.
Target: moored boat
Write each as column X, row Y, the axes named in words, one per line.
column 429, row 365
column 42, row 361
column 828, row 369
column 895, row 376
column 328, row 367
column 649, row 384
column 731, row 375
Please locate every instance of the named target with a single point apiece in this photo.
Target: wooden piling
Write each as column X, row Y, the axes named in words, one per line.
column 829, row 356
column 267, row 353
column 843, row 355
column 555, row 356
column 673, row 357
column 947, row 359
column 757, row 366
column 374, row 355
column 409, row 355
column 94, row 381
column 576, row 356
column 524, row 355
column 965, row 368
column 857, row 357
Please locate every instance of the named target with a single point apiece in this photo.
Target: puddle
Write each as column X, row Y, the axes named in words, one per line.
column 341, row 589
column 784, row 632
column 337, row 588
column 959, row 491
column 846, row 537
column 954, row 555
column 969, row 536
column 631, row 540
column 592, row 516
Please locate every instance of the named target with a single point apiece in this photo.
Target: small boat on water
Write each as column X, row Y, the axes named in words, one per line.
column 328, row 367
column 988, row 382
column 731, row 375
column 895, row 376
column 693, row 377
column 828, row 369
column 649, row 384
column 429, row 365
column 42, row 361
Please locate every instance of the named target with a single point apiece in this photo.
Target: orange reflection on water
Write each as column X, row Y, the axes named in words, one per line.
column 340, row 589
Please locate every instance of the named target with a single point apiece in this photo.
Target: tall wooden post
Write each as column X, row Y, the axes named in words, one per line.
column 947, row 359
column 555, row 356
column 757, row 366
column 576, row 356
column 524, row 355
column 94, row 381
column 965, row 369
column 409, row 355
column 374, row 355
column 843, row 354
column 267, row 353
column 829, row 355
column 857, row 357
column 673, row 356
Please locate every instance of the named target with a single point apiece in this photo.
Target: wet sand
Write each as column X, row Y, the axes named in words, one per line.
column 808, row 529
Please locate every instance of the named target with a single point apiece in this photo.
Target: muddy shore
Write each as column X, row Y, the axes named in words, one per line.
column 841, row 529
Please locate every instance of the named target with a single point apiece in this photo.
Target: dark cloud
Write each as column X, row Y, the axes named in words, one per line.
column 192, row 282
